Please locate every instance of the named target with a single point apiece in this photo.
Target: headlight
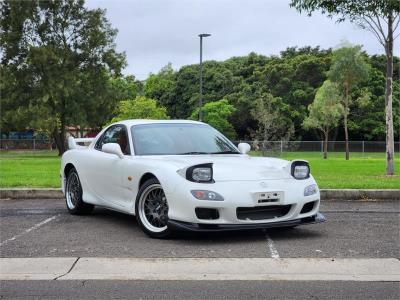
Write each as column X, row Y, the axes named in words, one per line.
column 300, row 169
column 200, row 173
column 310, row 190
column 206, row 195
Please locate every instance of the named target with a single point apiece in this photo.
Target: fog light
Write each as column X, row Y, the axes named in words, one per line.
column 310, row 190
column 206, row 195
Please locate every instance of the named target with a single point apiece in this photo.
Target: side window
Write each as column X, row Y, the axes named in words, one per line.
column 115, row 134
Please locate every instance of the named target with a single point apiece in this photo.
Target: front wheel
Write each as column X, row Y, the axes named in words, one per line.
column 73, row 195
column 151, row 209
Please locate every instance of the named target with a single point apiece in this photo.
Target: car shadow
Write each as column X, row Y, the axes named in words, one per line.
column 305, row 231
column 128, row 222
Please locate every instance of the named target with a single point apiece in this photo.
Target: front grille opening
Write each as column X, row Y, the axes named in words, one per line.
column 207, row 213
column 262, row 212
column 307, row 207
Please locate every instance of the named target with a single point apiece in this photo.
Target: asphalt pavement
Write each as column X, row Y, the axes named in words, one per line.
column 43, row 228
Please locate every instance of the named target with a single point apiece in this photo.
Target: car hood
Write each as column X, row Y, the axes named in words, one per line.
column 234, row 167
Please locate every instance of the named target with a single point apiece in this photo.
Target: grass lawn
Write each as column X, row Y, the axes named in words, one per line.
column 29, row 169
column 360, row 172
column 41, row 169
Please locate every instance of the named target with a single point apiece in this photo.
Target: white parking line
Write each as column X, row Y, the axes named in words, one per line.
column 36, row 226
column 271, row 246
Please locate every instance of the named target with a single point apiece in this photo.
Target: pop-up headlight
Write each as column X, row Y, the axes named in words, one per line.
column 300, row 169
column 200, row 173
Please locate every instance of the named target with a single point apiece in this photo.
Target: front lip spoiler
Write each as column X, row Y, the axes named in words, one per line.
column 186, row 226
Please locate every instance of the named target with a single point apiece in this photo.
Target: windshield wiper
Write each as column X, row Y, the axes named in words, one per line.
column 194, row 152
column 226, row 152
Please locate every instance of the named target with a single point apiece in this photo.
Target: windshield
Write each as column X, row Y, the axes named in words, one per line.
column 179, row 139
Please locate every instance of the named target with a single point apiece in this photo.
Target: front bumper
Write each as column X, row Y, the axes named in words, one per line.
column 240, row 195
column 186, row 226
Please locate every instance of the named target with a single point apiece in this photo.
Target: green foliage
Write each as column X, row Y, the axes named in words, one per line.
column 367, row 118
column 343, row 9
column 272, row 125
column 217, row 114
column 59, row 57
column 348, row 69
column 348, row 66
column 326, row 110
column 161, row 86
column 139, row 108
column 124, row 87
column 293, row 77
column 381, row 18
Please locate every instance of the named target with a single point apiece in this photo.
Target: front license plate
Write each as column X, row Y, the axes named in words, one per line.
column 269, row 197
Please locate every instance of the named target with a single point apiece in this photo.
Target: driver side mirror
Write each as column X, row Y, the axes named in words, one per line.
column 244, row 148
column 113, row 148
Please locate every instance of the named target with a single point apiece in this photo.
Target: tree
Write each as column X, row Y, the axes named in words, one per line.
column 124, row 87
column 381, row 18
column 348, row 69
column 272, row 124
column 61, row 56
column 217, row 114
column 368, row 119
column 161, row 86
column 139, row 108
column 326, row 111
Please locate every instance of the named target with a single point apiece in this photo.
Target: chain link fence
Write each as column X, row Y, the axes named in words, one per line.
column 26, row 144
column 277, row 148
column 264, row 148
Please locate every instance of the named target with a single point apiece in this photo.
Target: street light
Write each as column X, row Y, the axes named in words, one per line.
column 202, row 35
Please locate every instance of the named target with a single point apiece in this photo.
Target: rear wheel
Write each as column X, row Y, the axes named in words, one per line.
column 73, row 195
column 152, row 209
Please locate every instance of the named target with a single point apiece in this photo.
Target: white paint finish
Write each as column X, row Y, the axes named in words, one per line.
column 44, row 268
column 271, row 246
column 385, row 269
column 34, row 227
column 104, row 179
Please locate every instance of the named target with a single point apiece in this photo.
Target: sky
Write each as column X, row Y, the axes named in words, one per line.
column 154, row 33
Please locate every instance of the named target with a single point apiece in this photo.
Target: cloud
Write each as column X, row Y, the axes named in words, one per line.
column 155, row 32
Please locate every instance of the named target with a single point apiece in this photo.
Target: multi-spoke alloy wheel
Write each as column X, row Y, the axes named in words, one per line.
column 152, row 209
column 73, row 195
column 73, row 190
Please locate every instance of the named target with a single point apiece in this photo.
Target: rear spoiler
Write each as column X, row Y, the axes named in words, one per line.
column 72, row 142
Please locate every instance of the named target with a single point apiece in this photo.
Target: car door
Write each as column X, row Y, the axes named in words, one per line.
column 106, row 170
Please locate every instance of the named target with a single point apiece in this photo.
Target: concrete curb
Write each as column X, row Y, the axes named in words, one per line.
column 30, row 193
column 352, row 194
column 329, row 194
column 113, row 268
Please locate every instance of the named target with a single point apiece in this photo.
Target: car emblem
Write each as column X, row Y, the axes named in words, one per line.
column 263, row 183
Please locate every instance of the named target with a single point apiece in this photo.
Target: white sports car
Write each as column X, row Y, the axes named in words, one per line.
column 185, row 175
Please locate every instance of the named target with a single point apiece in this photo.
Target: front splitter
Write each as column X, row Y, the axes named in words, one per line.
column 179, row 225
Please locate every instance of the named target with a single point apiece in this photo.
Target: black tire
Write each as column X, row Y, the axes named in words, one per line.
column 73, row 195
column 155, row 227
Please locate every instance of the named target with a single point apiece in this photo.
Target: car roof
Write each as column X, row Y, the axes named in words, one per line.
column 129, row 123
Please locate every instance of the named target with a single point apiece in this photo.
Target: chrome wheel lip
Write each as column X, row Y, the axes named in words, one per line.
column 72, row 190
column 142, row 211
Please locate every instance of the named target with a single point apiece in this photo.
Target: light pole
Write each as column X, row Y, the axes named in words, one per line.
column 202, row 35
